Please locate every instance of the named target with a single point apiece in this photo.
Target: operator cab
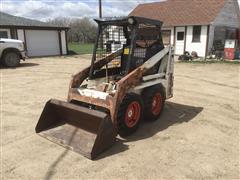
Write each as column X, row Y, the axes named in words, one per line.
column 131, row 40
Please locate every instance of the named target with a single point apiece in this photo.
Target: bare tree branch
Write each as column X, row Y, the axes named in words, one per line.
column 81, row 30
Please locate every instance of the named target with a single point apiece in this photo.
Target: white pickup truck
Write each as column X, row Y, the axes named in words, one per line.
column 11, row 52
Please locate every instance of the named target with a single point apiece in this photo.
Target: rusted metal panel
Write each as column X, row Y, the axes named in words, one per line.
column 83, row 130
column 94, row 101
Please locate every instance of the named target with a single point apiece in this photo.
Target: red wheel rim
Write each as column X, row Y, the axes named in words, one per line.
column 132, row 114
column 157, row 104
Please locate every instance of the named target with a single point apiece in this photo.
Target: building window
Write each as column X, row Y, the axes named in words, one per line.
column 3, row 34
column 180, row 36
column 196, row 33
column 231, row 33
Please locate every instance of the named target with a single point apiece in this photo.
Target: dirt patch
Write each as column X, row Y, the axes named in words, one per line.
column 196, row 136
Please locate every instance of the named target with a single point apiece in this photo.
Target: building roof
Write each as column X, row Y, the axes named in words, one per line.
column 181, row 12
column 7, row 20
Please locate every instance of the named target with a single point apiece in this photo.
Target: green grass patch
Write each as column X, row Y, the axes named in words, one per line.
column 80, row 48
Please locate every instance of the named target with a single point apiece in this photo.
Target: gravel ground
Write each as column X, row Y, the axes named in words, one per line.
column 197, row 136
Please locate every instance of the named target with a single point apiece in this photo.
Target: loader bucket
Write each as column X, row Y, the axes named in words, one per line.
column 83, row 130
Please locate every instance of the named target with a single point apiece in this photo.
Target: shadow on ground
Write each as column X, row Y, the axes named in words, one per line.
column 52, row 168
column 28, row 65
column 173, row 114
column 22, row 65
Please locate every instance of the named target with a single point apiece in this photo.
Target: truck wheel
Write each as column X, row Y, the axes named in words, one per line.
column 153, row 98
column 130, row 114
column 11, row 59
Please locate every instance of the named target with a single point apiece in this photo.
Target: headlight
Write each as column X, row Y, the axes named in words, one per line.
column 21, row 46
column 131, row 20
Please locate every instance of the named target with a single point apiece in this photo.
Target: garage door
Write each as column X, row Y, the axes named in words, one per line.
column 42, row 43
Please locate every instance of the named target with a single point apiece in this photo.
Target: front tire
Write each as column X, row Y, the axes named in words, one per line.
column 130, row 114
column 11, row 59
column 154, row 99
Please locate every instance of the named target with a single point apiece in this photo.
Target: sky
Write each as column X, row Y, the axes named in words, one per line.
column 49, row 9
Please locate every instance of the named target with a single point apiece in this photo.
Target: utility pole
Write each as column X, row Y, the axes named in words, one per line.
column 100, row 8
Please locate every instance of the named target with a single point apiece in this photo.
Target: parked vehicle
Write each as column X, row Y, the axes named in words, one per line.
column 11, row 52
column 105, row 100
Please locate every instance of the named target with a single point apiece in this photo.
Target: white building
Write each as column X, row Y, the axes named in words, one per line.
column 40, row 38
column 195, row 25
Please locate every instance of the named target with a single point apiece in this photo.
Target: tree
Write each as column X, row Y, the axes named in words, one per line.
column 81, row 30
column 60, row 21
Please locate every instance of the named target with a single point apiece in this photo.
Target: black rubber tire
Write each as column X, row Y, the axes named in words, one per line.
column 11, row 59
column 148, row 95
column 123, row 129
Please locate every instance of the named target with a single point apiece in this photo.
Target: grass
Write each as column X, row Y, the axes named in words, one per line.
column 80, row 48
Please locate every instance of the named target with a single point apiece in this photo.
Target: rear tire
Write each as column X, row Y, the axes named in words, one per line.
column 130, row 114
column 11, row 59
column 154, row 99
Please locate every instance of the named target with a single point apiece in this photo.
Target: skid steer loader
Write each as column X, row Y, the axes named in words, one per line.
column 129, row 79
